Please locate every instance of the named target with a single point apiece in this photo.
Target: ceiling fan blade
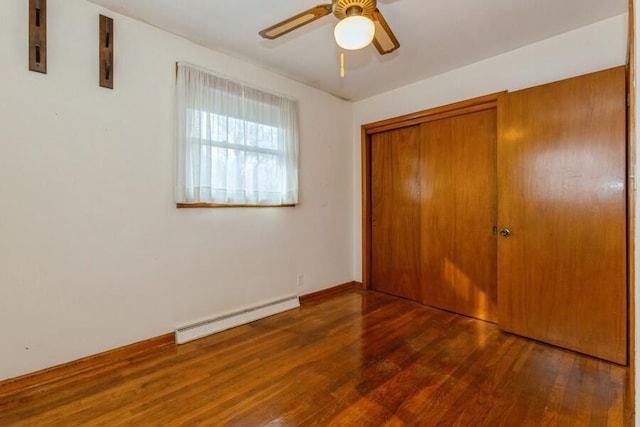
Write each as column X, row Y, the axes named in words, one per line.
column 282, row 28
column 384, row 39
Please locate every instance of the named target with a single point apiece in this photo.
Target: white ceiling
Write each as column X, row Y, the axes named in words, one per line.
column 435, row 35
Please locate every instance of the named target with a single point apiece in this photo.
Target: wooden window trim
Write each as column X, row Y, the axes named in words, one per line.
column 223, row 205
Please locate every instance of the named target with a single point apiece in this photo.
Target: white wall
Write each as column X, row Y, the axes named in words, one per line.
column 93, row 253
column 596, row 47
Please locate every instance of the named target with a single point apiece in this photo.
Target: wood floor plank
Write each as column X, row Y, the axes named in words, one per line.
column 360, row 358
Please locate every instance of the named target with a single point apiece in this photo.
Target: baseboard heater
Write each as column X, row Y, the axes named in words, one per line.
column 211, row 326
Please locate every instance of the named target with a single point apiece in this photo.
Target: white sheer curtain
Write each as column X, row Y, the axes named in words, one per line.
column 236, row 144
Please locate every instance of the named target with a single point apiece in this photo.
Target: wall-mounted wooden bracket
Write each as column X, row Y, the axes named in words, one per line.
column 106, row 52
column 38, row 36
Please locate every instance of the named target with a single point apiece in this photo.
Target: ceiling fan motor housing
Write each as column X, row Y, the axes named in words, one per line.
column 344, row 8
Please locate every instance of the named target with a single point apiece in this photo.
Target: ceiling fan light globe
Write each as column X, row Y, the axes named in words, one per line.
column 354, row 32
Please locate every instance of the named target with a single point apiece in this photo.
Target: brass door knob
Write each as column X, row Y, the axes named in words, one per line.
column 505, row 232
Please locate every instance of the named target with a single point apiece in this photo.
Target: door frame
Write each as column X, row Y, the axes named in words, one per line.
column 631, row 203
column 482, row 103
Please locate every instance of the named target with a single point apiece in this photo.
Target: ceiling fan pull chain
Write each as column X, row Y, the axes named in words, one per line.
column 342, row 65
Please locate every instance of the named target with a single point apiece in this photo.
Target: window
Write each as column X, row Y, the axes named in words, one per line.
column 237, row 145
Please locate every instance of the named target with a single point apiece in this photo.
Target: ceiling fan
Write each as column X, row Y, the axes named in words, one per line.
column 360, row 24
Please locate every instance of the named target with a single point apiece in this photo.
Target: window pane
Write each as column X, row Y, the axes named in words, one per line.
column 240, row 143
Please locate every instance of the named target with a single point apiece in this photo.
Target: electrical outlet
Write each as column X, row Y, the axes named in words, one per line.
column 300, row 280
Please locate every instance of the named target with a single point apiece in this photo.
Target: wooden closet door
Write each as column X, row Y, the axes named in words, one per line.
column 459, row 210
column 562, row 192
column 395, row 195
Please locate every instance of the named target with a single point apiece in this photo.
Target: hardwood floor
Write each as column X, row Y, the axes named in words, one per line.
column 357, row 359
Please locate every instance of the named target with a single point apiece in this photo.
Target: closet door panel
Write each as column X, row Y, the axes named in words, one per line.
column 459, row 210
column 396, row 212
column 562, row 192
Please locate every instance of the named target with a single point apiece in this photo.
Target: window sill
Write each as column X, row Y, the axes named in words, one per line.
column 220, row 205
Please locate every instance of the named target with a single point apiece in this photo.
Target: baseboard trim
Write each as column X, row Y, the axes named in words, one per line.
column 61, row 373
column 329, row 292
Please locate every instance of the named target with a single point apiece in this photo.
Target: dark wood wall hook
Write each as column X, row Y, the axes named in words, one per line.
column 106, row 52
column 38, row 36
